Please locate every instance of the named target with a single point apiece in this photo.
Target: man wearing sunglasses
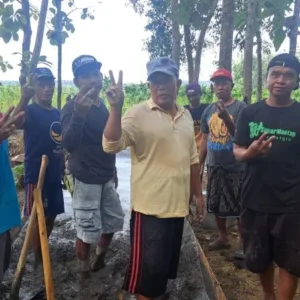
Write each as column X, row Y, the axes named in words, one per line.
column 96, row 204
column 160, row 134
column 224, row 173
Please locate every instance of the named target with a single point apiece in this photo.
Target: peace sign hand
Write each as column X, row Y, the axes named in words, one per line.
column 115, row 93
column 261, row 146
column 28, row 88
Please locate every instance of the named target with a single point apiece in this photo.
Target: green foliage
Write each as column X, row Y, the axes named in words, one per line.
column 134, row 94
column 18, row 172
column 66, row 24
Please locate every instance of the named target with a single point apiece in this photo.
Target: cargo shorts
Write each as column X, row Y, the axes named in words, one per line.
column 97, row 209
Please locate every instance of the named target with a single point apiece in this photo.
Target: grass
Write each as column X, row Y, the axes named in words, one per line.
column 134, row 93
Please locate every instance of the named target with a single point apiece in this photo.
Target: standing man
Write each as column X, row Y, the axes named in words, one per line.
column 96, row 204
column 9, row 206
column 194, row 93
column 224, row 173
column 268, row 139
column 164, row 160
column 42, row 136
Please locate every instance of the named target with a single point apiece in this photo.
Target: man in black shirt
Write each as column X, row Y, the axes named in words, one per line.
column 193, row 93
column 267, row 138
column 97, row 208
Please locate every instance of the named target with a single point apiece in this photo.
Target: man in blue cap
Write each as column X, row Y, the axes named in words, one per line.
column 267, row 139
column 160, row 134
column 97, row 208
column 42, row 136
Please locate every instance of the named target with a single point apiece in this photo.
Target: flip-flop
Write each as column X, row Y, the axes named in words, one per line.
column 218, row 245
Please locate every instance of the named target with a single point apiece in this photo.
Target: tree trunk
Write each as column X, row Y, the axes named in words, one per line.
column 259, row 66
column 39, row 36
column 248, row 59
column 227, row 28
column 189, row 51
column 295, row 29
column 59, row 52
column 201, row 41
column 176, row 37
column 27, row 32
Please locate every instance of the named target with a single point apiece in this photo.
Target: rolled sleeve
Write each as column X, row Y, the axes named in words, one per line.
column 128, row 136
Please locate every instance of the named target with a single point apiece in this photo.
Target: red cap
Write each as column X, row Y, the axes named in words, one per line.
column 221, row 73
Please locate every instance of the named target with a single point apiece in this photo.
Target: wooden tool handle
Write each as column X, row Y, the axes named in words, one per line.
column 43, row 168
column 14, row 294
column 37, row 194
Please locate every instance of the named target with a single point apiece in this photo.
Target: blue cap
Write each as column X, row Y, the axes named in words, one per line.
column 164, row 65
column 43, row 73
column 87, row 61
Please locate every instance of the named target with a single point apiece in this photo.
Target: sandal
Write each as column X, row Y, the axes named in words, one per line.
column 218, row 245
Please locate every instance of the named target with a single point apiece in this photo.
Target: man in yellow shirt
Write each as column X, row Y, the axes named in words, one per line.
column 164, row 161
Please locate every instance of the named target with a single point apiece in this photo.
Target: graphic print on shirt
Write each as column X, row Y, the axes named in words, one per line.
column 257, row 129
column 55, row 132
column 220, row 138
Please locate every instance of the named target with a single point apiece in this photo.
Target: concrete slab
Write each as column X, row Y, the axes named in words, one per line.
column 192, row 284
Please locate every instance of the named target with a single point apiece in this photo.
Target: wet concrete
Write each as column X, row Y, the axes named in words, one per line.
column 106, row 284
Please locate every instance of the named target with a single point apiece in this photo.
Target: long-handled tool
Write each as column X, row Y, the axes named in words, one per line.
column 37, row 205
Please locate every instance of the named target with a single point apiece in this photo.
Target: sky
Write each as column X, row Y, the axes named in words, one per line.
column 115, row 38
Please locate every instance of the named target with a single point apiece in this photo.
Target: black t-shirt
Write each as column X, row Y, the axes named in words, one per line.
column 196, row 114
column 272, row 182
column 82, row 138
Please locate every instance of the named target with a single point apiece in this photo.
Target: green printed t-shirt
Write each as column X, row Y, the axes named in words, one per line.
column 272, row 181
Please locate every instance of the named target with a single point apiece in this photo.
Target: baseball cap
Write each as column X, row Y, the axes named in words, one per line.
column 193, row 88
column 285, row 60
column 221, row 73
column 43, row 73
column 88, row 61
column 164, row 65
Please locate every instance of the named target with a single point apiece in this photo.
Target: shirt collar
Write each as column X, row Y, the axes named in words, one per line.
column 152, row 105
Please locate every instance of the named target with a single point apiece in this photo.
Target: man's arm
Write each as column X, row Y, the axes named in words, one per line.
column 119, row 133
column 241, row 137
column 230, row 125
column 72, row 127
column 27, row 93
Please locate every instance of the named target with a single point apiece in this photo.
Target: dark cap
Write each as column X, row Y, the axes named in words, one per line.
column 164, row 65
column 87, row 61
column 285, row 60
column 193, row 88
column 43, row 73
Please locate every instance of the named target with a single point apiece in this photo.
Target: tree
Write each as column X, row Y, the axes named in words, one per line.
column 196, row 26
column 193, row 18
column 226, row 38
column 176, row 36
column 15, row 19
column 249, row 43
column 294, row 29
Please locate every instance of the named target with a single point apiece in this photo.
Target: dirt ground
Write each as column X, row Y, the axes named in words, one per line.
column 237, row 282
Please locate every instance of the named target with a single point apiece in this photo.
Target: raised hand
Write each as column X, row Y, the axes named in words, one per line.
column 84, row 100
column 115, row 93
column 27, row 89
column 261, row 146
column 222, row 111
column 7, row 123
